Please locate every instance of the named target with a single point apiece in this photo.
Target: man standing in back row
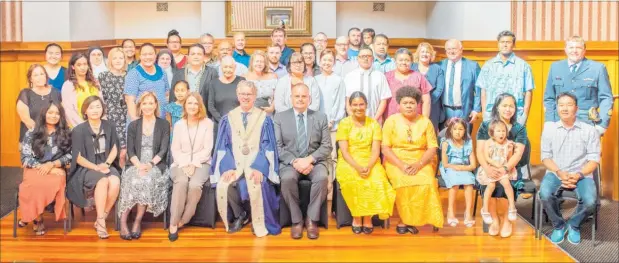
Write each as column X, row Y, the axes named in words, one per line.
column 587, row 80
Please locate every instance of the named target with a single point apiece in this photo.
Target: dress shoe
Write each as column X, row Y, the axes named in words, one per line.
column 173, row 237
column 312, row 229
column 296, row 231
column 238, row 224
column 407, row 229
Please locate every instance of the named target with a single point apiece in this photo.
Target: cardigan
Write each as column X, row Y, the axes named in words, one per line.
column 161, row 141
column 202, row 144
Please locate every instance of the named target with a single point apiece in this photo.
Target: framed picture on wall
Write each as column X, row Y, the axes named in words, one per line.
column 278, row 17
column 259, row 18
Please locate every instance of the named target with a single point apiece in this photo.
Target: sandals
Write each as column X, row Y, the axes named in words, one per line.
column 40, row 229
column 512, row 214
column 21, row 224
column 486, row 217
column 469, row 223
column 101, row 230
column 453, row 222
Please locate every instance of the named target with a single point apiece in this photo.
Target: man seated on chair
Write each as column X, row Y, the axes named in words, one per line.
column 304, row 146
column 571, row 153
column 246, row 165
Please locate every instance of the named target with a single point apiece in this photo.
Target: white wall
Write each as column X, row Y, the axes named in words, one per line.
column 480, row 24
column 445, row 20
column 91, row 20
column 46, row 21
column 399, row 20
column 324, row 16
column 141, row 19
column 213, row 18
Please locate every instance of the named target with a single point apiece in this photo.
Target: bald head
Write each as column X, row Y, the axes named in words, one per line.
column 453, row 48
column 300, row 96
column 224, row 48
column 228, row 67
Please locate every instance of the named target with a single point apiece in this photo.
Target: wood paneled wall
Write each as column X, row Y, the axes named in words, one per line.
column 558, row 19
column 17, row 57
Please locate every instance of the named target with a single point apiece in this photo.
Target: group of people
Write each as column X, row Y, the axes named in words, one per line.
column 252, row 126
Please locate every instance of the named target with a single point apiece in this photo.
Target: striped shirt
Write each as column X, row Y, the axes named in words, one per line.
column 570, row 148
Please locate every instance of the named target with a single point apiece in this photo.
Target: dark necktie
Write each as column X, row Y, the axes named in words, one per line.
column 302, row 140
column 244, row 114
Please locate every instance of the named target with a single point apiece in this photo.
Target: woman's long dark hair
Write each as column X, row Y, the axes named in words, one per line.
column 40, row 136
column 90, row 77
column 495, row 109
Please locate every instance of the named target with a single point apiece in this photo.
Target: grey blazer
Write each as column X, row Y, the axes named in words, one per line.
column 207, row 76
column 319, row 137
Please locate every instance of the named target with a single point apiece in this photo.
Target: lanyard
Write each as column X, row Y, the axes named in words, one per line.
column 192, row 142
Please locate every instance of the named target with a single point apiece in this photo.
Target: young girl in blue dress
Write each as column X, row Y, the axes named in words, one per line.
column 175, row 110
column 457, row 165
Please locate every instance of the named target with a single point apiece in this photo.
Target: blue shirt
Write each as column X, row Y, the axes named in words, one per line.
column 286, row 53
column 280, row 71
column 59, row 80
column 513, row 77
column 385, row 66
column 137, row 82
column 352, row 53
column 241, row 58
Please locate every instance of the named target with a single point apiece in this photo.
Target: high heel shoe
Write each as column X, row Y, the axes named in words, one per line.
column 367, row 230
column 138, row 234
column 357, row 229
column 469, row 223
column 173, row 237
column 101, row 231
column 453, row 222
column 125, row 236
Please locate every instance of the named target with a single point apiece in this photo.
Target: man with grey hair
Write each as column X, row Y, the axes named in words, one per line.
column 587, row 79
column 245, row 167
column 320, row 42
column 208, row 42
column 460, row 98
column 343, row 63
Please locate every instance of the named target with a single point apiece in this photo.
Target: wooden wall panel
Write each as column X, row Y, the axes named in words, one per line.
column 558, row 19
column 16, row 57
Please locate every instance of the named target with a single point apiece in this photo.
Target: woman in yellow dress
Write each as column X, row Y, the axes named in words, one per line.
column 409, row 147
column 362, row 178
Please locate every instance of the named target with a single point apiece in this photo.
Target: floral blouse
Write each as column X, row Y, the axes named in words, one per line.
column 52, row 152
column 112, row 88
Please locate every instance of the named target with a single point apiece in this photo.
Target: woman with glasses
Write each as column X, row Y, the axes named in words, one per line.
column 409, row 146
column 296, row 69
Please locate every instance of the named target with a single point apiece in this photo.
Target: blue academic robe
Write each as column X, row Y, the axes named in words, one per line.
column 261, row 163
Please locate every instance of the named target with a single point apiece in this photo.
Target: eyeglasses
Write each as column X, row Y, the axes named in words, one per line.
column 365, row 56
column 245, row 94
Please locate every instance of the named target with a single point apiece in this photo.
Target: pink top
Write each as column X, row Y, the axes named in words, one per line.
column 202, row 139
column 415, row 79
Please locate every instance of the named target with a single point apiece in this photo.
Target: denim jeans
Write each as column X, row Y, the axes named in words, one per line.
column 550, row 193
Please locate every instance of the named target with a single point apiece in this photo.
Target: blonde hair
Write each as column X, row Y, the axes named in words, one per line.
column 201, row 107
column 429, row 47
column 142, row 98
column 575, row 38
column 111, row 53
column 264, row 56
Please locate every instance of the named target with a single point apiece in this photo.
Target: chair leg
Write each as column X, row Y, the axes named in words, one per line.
column 116, row 220
column 533, row 208
column 475, row 203
column 15, row 215
column 165, row 219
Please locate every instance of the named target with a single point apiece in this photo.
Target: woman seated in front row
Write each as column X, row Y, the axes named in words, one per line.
column 409, row 147
column 362, row 178
column 94, row 178
column 145, row 182
column 45, row 151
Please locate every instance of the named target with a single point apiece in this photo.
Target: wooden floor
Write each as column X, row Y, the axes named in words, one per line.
column 205, row 244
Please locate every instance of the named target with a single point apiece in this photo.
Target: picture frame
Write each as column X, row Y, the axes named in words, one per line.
column 258, row 19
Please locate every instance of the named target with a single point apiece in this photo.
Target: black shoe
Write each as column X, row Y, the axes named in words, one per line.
column 173, row 237
column 406, row 229
column 138, row 234
column 238, row 223
column 368, row 230
column 357, row 229
column 434, row 229
column 125, row 237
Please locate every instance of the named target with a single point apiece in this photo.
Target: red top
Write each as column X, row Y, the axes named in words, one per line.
column 181, row 64
column 415, row 79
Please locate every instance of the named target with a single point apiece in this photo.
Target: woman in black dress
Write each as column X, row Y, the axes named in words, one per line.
column 31, row 100
column 94, row 177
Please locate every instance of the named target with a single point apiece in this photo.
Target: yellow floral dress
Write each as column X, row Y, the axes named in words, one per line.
column 417, row 198
column 368, row 196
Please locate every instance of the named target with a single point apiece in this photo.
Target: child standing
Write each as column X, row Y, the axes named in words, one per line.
column 174, row 111
column 497, row 152
column 456, row 167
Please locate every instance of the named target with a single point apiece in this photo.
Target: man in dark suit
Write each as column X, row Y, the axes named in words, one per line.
column 460, row 98
column 304, row 146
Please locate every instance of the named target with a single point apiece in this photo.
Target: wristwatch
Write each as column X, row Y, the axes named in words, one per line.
column 505, row 167
column 581, row 175
column 108, row 164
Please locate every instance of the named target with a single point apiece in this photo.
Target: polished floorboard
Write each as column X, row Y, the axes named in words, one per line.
column 341, row 245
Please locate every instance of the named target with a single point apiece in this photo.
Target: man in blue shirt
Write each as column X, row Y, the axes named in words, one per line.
column 239, row 53
column 354, row 38
column 382, row 61
column 587, row 80
column 278, row 37
column 506, row 73
column 273, row 57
